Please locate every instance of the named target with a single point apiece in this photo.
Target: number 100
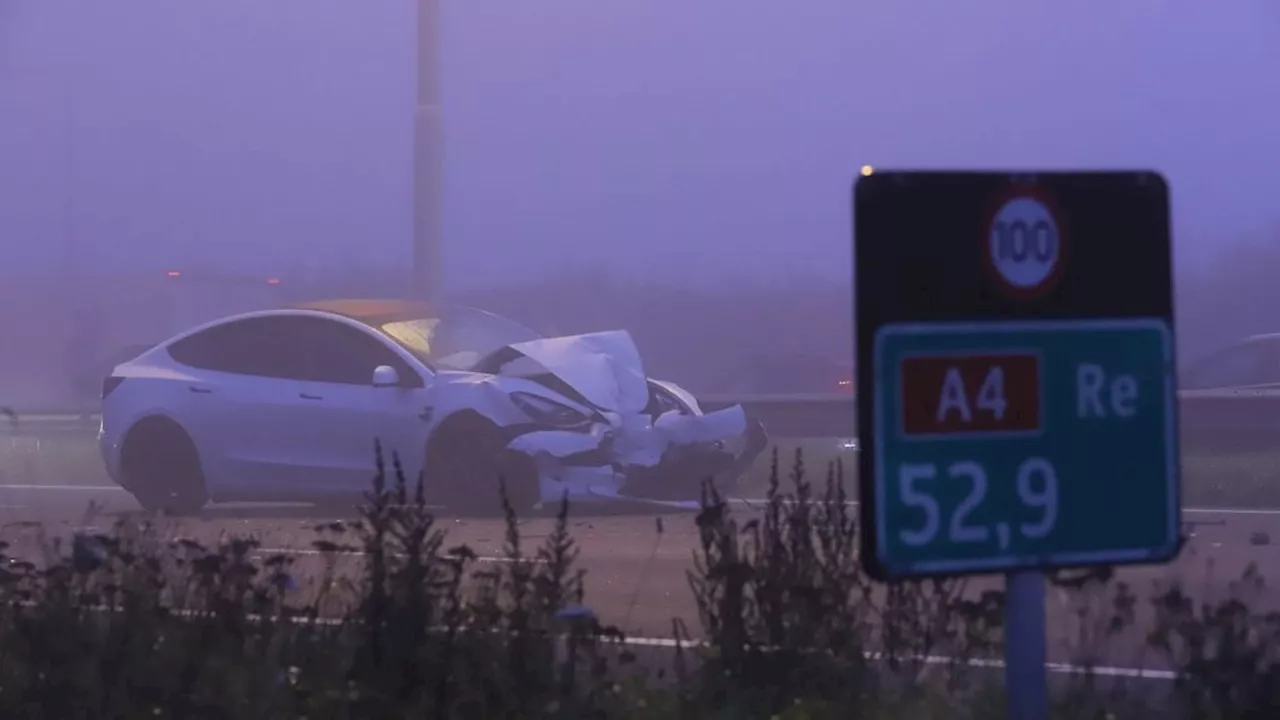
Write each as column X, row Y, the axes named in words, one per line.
column 1016, row 240
column 1037, row 486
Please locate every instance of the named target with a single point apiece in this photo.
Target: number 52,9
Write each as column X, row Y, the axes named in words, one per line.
column 1037, row 486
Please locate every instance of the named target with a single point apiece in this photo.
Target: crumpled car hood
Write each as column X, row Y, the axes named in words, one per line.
column 604, row 367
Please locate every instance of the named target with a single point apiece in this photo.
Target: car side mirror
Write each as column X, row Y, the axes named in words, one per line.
column 385, row 376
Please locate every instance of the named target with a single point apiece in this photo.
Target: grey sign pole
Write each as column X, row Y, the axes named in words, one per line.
column 428, row 161
column 1026, row 683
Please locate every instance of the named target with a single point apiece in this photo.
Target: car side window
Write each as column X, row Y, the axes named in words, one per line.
column 251, row 346
column 335, row 352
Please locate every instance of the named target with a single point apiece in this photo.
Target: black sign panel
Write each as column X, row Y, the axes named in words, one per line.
column 914, row 235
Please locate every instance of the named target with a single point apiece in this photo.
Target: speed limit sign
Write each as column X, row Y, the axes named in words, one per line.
column 1024, row 245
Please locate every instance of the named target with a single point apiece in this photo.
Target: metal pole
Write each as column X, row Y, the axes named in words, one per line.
column 428, row 147
column 80, row 348
column 1026, row 684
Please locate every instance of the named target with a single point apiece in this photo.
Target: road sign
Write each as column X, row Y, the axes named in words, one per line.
column 1016, row 337
column 1024, row 245
column 1024, row 444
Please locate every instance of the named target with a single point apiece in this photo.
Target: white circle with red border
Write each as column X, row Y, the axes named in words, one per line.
column 1023, row 243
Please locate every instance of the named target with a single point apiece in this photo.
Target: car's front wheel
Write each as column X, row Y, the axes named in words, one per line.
column 466, row 457
column 160, row 466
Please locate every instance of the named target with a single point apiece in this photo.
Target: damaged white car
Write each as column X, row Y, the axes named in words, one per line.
column 285, row 405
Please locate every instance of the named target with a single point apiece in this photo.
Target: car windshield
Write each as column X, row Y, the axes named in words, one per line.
column 458, row 338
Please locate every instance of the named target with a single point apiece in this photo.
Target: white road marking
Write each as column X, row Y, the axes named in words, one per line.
column 1052, row 667
column 360, row 553
column 71, row 488
column 756, row 503
column 751, row 503
column 669, row 643
column 1230, row 511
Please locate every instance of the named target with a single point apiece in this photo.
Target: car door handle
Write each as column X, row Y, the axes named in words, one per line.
column 201, row 390
column 305, row 396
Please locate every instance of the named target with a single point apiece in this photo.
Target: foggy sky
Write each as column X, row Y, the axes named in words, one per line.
column 699, row 140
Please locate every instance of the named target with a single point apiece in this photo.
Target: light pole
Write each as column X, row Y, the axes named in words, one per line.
column 428, row 157
column 84, row 342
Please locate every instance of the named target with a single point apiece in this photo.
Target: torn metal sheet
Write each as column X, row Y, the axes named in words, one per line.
column 593, row 424
column 605, row 367
column 556, row 443
column 731, row 422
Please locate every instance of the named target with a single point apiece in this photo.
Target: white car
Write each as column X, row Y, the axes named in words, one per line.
column 286, row 405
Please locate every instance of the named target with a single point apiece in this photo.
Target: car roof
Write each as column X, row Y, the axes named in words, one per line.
column 370, row 311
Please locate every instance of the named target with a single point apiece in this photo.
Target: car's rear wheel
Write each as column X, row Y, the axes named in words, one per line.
column 161, row 467
column 466, row 457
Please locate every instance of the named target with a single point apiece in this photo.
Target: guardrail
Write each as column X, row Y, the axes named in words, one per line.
column 52, row 418
column 794, row 416
column 1230, row 421
column 45, row 423
column 1212, row 421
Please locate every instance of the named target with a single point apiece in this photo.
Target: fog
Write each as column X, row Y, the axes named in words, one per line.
column 647, row 164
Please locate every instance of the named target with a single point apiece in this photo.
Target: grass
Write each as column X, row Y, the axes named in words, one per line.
column 1245, row 480
column 131, row 624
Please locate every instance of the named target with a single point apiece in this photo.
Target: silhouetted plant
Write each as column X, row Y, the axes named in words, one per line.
column 1228, row 653
column 789, row 613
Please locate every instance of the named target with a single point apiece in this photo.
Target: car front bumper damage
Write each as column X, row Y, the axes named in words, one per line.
column 638, row 458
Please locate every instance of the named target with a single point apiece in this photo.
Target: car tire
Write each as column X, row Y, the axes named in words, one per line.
column 161, row 468
column 466, row 456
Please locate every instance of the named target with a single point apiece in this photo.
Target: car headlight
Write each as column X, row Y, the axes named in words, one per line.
column 663, row 401
column 549, row 412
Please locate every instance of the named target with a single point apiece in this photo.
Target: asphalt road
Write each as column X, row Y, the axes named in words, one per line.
column 636, row 576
